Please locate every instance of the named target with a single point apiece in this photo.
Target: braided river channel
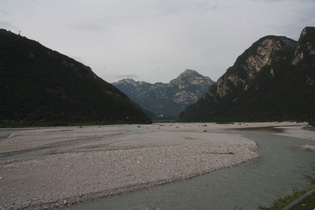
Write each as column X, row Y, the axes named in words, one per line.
column 281, row 169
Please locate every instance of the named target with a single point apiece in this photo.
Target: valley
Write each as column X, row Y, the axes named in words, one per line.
column 84, row 139
column 61, row 166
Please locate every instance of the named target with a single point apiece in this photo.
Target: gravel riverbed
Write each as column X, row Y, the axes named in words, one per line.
column 54, row 167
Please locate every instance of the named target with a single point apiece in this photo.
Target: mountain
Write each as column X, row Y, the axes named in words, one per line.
column 272, row 80
column 167, row 100
column 39, row 86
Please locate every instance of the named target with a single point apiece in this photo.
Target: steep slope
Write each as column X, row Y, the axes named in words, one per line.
column 271, row 80
column 41, row 86
column 167, row 100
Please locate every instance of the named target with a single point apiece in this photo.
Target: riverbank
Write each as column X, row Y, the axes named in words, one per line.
column 51, row 167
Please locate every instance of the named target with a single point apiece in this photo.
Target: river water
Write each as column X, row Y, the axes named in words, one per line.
column 281, row 169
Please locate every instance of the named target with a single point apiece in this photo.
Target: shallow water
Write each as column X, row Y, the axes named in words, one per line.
column 5, row 133
column 281, row 169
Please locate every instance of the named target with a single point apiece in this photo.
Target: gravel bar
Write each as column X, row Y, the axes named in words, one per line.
column 55, row 167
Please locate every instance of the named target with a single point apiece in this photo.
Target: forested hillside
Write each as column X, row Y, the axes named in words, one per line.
column 39, row 86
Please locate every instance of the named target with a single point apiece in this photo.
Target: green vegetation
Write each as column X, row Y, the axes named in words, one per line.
column 307, row 204
column 41, row 87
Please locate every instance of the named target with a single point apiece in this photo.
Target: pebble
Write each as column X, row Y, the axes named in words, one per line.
column 150, row 159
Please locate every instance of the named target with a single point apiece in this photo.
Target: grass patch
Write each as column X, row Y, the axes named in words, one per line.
column 307, row 204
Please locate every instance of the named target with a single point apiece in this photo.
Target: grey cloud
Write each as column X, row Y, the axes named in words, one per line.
column 154, row 40
column 284, row 0
column 4, row 12
column 124, row 76
column 157, row 62
column 214, row 7
column 88, row 26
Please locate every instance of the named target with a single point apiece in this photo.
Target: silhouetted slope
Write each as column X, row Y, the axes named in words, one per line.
column 41, row 86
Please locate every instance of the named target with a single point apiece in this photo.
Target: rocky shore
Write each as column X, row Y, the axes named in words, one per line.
column 54, row 167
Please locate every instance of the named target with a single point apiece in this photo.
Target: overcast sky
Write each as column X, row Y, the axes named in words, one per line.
column 154, row 40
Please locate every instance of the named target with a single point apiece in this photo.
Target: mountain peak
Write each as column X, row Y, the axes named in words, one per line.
column 167, row 99
column 189, row 71
column 127, row 80
column 248, row 65
column 258, row 55
column 272, row 80
column 191, row 77
column 305, row 48
column 308, row 31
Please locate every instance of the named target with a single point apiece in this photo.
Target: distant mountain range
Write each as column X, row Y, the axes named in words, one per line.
column 39, row 86
column 272, row 80
column 166, row 100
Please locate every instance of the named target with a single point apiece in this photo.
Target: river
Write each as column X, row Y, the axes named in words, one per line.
column 280, row 170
